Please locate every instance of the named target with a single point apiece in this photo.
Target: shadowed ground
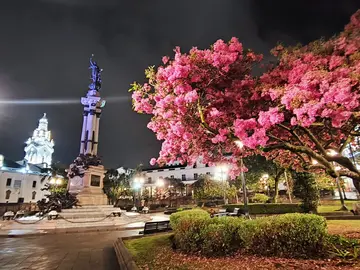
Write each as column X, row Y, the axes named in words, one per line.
column 61, row 251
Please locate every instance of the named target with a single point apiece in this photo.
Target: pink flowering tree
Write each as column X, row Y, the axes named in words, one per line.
column 206, row 103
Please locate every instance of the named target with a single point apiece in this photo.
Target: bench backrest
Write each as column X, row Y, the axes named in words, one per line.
column 157, row 226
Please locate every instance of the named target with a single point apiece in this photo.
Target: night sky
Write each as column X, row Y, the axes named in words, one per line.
column 45, row 47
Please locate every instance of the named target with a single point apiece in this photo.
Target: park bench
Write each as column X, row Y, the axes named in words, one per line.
column 52, row 215
column 234, row 213
column 170, row 210
column 8, row 215
column 19, row 214
column 145, row 210
column 221, row 213
column 156, row 226
column 116, row 212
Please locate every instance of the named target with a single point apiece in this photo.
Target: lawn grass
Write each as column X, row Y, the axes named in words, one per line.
column 155, row 253
column 333, row 205
column 145, row 249
column 349, row 228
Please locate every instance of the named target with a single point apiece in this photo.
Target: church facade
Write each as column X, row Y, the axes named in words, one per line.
column 40, row 147
column 21, row 183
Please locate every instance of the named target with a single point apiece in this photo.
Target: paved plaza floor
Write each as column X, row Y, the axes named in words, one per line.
column 61, row 251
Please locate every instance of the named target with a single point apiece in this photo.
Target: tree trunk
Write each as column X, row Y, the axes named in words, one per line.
column 277, row 179
column 288, row 186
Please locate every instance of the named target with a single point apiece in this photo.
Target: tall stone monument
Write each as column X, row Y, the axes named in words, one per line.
column 86, row 173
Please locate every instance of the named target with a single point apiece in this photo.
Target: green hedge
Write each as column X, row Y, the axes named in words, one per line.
column 290, row 235
column 299, row 235
column 195, row 213
column 267, row 208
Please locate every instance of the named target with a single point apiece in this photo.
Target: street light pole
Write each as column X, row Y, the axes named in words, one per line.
column 243, row 181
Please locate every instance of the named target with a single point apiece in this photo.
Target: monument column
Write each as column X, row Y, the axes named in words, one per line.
column 83, row 131
column 86, row 174
column 96, row 137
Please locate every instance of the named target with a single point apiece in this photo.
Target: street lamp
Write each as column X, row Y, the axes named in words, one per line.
column 222, row 171
column 264, row 178
column 170, row 187
column 243, row 181
column 137, row 184
column 332, row 153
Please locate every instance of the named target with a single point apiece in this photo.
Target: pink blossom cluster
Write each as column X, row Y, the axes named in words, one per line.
column 201, row 102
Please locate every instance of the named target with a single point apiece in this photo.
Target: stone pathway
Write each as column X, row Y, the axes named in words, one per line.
column 78, row 251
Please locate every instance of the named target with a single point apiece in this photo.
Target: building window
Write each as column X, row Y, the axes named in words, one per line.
column 195, row 176
column 34, row 184
column 33, row 195
column 208, row 173
column 161, row 170
column 149, row 179
column 172, row 169
column 182, row 168
column 7, row 194
column 183, row 177
column 17, row 184
column 8, row 182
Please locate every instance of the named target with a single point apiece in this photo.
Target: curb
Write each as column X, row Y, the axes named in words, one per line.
column 124, row 257
column 68, row 231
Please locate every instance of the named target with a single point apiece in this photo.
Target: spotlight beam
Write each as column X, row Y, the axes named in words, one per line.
column 66, row 101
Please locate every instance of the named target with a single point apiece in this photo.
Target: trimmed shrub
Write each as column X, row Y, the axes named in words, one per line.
column 195, row 213
column 268, row 208
column 260, row 198
column 289, row 235
column 188, row 233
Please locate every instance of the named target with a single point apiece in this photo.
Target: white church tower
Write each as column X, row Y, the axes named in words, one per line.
column 40, row 147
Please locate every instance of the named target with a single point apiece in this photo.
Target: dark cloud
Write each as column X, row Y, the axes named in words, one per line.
column 45, row 45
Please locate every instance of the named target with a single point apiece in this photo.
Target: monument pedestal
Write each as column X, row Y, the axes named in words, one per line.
column 92, row 192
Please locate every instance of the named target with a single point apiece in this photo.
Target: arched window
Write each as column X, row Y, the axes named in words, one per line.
column 33, row 195
column 7, row 194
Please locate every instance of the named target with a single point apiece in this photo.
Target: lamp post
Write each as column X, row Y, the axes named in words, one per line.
column 264, row 178
column 243, row 180
column 137, row 184
column 55, row 182
column 332, row 152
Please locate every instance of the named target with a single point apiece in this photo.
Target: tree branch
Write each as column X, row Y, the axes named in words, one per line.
column 202, row 119
column 315, row 141
column 291, row 132
column 347, row 141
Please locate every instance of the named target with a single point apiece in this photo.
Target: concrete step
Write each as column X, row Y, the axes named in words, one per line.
column 92, row 206
column 79, row 210
column 83, row 215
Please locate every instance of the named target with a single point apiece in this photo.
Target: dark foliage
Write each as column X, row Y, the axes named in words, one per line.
column 305, row 188
column 268, row 208
column 58, row 199
column 81, row 163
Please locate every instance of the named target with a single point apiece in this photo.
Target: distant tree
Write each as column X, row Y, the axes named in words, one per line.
column 206, row 188
column 116, row 185
column 258, row 166
column 305, row 188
